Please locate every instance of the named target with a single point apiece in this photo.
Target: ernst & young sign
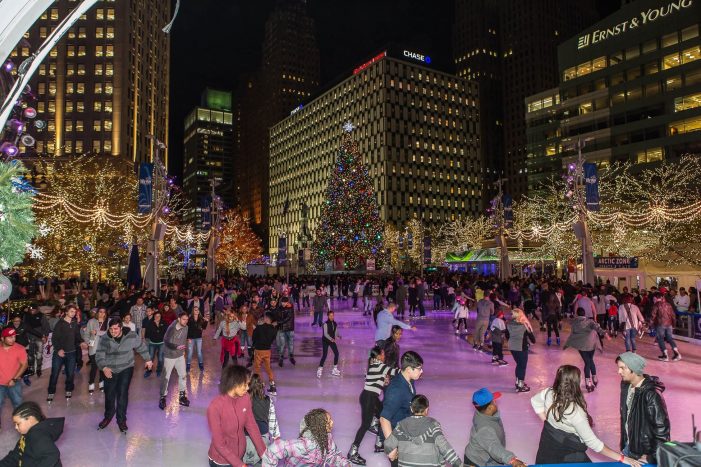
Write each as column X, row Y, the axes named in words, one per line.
column 643, row 18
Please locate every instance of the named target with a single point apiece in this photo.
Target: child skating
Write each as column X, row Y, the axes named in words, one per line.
column 328, row 339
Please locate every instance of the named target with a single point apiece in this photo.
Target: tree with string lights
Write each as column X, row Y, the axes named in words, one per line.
column 350, row 229
column 239, row 245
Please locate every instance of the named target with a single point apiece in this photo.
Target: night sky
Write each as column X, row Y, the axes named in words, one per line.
column 213, row 41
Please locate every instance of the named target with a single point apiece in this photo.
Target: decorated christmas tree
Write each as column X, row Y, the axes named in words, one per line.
column 350, row 230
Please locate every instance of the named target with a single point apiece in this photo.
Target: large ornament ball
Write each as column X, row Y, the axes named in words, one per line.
column 5, row 288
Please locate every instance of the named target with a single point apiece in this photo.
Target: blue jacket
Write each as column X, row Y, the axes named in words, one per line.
column 396, row 406
column 385, row 321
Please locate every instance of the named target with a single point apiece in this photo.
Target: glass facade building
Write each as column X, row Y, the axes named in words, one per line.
column 418, row 133
column 630, row 89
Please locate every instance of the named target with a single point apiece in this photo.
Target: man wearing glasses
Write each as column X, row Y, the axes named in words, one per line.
column 396, row 405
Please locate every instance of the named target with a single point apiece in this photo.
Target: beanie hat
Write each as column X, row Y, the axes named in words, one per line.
column 633, row 361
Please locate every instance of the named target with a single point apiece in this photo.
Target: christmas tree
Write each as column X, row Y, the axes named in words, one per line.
column 239, row 244
column 350, row 228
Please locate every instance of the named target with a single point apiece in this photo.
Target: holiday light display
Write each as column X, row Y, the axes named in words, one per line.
column 350, row 229
column 239, row 245
column 405, row 245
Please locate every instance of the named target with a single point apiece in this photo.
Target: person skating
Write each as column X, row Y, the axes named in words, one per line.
column 92, row 332
column 115, row 358
column 663, row 318
column 487, row 444
column 419, row 439
column 263, row 409
column 67, row 343
column 314, row 447
column 396, row 405
column 228, row 329
column 328, row 339
column 263, row 338
column 319, row 303
column 36, row 446
column 175, row 344
column 567, row 432
column 385, row 320
column 13, row 364
column 195, row 327
column 498, row 332
column 631, row 321
column 461, row 313
column 154, row 333
column 644, row 419
column 37, row 327
column 285, row 322
column 586, row 338
column 520, row 334
column 376, row 378
column 485, row 309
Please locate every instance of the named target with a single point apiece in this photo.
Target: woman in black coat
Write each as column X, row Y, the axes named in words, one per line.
column 37, row 442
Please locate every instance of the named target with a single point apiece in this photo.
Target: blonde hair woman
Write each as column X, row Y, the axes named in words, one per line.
column 520, row 337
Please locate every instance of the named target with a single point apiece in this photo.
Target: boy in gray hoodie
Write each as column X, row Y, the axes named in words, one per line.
column 419, row 439
column 487, row 437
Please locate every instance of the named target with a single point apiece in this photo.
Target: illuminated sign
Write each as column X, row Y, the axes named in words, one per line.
column 374, row 59
column 417, row 56
column 644, row 17
column 297, row 109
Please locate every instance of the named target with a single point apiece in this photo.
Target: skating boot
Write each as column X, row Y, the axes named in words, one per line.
column 335, row 372
column 123, row 427
column 354, row 457
column 183, row 400
column 103, row 424
column 162, row 403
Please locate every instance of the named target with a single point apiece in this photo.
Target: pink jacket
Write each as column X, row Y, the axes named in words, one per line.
column 227, row 418
column 303, row 452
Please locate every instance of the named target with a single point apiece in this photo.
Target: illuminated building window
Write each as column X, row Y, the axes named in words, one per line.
column 70, row 88
column 99, row 33
column 110, row 14
column 68, row 126
column 109, row 69
column 69, row 106
column 685, row 126
column 98, row 70
column 110, row 33
column 96, row 146
column 80, row 106
column 71, row 33
column 78, row 125
column 70, row 51
column 100, row 14
column 81, row 51
column 80, row 88
column 54, row 14
column 687, row 102
column 97, row 125
column 109, row 52
column 81, row 69
column 51, row 126
column 68, row 147
column 52, row 106
column 50, row 146
column 107, row 125
column 52, row 88
column 98, row 88
column 43, row 32
column 650, row 155
column 81, row 33
column 691, row 54
column 42, row 70
column 109, row 89
column 78, row 147
column 108, row 106
column 97, row 106
column 108, row 146
column 99, row 51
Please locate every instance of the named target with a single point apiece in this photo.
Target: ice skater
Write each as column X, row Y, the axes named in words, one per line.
column 461, row 312
column 328, row 339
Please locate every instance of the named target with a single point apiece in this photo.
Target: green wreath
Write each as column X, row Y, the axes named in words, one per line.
column 17, row 227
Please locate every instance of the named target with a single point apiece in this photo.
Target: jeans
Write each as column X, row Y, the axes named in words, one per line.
column 481, row 327
column 117, row 394
column 436, row 301
column 589, row 365
column 355, row 300
column 305, row 301
column 521, row 359
column 56, row 364
column 325, row 352
column 35, row 356
column 195, row 344
column 179, row 365
column 664, row 334
column 422, row 310
column 152, row 349
column 285, row 339
column 629, row 338
column 553, row 325
column 247, row 341
column 94, row 369
column 13, row 392
column 318, row 318
column 367, row 303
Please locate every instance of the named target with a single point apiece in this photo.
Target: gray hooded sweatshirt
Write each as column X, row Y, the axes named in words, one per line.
column 421, row 442
column 487, row 444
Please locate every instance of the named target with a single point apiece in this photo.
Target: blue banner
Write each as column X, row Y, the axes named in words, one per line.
column 591, row 182
column 206, row 212
column 508, row 203
column 145, row 187
column 281, row 250
column 427, row 250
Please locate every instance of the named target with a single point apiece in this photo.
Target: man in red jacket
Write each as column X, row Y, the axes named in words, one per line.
column 228, row 415
column 663, row 318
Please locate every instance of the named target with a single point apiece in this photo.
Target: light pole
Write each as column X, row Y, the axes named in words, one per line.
column 214, row 226
column 159, row 199
column 581, row 229
column 499, row 217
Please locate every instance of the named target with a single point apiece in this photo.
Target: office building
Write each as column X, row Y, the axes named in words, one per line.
column 208, row 156
column 630, row 90
column 417, row 132
column 510, row 48
column 104, row 88
column 288, row 75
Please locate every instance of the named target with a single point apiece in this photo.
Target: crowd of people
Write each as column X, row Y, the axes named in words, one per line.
column 254, row 320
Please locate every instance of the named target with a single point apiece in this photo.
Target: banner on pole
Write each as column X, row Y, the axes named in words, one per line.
column 508, row 203
column 370, row 264
column 591, row 182
column 145, row 187
column 281, row 250
column 427, row 250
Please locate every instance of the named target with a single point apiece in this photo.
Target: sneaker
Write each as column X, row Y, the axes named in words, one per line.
column 50, row 398
column 319, row 371
column 91, row 389
column 292, row 361
column 374, row 429
column 663, row 358
column 103, row 424
column 101, row 386
column 272, row 390
column 503, row 363
column 677, row 357
column 557, row 340
column 69, row 394
column 26, row 381
column 162, row 403
column 549, row 342
column 280, row 363
column 523, row 388
column 335, row 372
column 123, row 427
column 379, row 447
column 183, row 400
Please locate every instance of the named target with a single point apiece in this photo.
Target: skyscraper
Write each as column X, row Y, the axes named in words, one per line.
column 104, row 88
column 510, row 48
column 288, row 75
column 208, row 155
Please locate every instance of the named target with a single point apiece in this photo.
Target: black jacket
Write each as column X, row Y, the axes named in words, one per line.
column 195, row 328
column 648, row 421
column 66, row 336
column 155, row 332
column 39, row 446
